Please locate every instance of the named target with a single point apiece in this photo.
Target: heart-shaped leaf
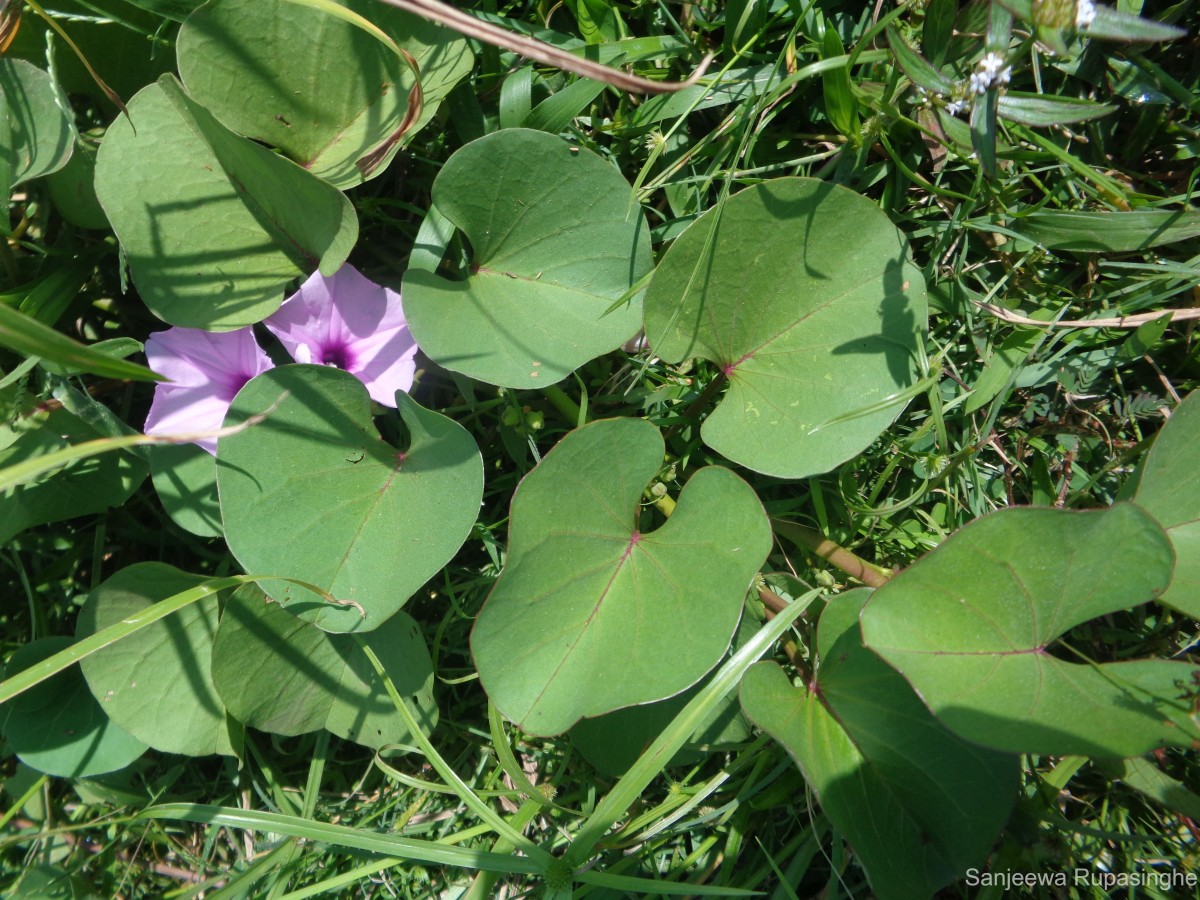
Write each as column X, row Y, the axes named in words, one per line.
column 35, row 136
column 554, row 243
column 323, row 90
column 58, row 727
column 279, row 674
column 590, row 614
column 971, row 626
column 1169, row 489
column 214, row 226
column 802, row 292
column 918, row 804
column 156, row 683
column 312, row 493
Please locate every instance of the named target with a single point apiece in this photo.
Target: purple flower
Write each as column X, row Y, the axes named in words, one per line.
column 206, row 370
column 350, row 322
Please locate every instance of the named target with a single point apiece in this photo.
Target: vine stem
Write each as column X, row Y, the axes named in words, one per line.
column 531, row 48
column 853, row 565
column 566, row 407
column 700, row 403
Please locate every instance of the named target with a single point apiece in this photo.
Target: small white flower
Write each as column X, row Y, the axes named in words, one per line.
column 955, row 107
column 991, row 70
column 1085, row 13
column 991, row 63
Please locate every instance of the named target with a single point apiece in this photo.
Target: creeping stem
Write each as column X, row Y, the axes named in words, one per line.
column 542, row 52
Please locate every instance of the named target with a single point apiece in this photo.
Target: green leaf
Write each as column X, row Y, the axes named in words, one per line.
column 1114, row 25
column 398, row 516
column 802, row 293
column 983, row 130
column 358, row 838
column 1169, row 490
column 590, row 614
column 279, row 674
column 17, row 684
column 35, row 138
column 185, row 479
column 919, row 805
column 555, row 242
column 613, row 742
column 840, row 104
column 1039, row 109
column 919, row 70
column 214, row 226
column 938, row 28
column 649, row 766
column 444, row 56
column 1106, row 232
column 1149, row 780
column 971, row 626
column 87, row 487
column 30, row 337
column 156, row 683
column 56, row 288
column 1001, row 369
column 73, row 190
column 280, row 72
column 58, row 727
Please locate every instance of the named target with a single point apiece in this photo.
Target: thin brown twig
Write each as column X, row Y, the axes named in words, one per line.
column 540, row 51
column 1133, row 321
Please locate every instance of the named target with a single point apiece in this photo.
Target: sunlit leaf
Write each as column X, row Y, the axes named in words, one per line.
column 803, row 294
column 973, row 625
column 919, row 805
column 554, row 243
column 590, row 614
column 214, row 226
column 313, row 493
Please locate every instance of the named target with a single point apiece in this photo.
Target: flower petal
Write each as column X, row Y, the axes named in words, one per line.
column 350, row 321
column 385, row 362
column 187, row 410
column 206, row 369
column 191, row 357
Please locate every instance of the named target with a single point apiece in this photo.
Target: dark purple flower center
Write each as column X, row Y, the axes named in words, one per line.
column 235, row 382
column 336, row 355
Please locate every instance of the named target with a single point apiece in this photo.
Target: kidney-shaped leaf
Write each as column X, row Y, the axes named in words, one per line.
column 1169, row 490
column 35, row 136
column 591, row 615
column 313, row 493
column 971, row 626
column 279, row 674
column 918, row 804
column 214, row 226
column 802, row 292
column 156, row 682
column 555, row 242
column 58, row 727
column 323, row 90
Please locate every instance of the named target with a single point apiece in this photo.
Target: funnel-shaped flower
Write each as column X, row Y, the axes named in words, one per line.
column 350, row 322
column 206, row 370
